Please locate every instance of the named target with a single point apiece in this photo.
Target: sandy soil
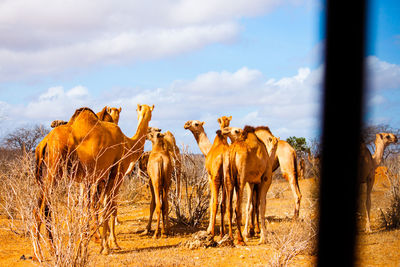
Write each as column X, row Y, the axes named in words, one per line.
column 381, row 248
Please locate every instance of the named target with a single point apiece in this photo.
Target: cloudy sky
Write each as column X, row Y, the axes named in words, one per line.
column 259, row 61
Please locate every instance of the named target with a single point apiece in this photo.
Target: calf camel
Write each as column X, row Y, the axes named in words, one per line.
column 247, row 161
column 103, row 155
column 214, row 165
column 159, row 168
column 368, row 165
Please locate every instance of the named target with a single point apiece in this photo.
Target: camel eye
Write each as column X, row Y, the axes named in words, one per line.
column 196, row 124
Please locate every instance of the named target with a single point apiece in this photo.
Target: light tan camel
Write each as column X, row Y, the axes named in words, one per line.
column 224, row 121
column 247, row 161
column 286, row 158
column 159, row 168
column 175, row 155
column 114, row 113
column 369, row 163
column 214, row 165
column 103, row 155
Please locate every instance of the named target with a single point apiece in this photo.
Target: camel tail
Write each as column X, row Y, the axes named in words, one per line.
column 296, row 171
column 39, row 154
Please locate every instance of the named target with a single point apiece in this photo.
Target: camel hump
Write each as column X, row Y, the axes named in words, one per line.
column 249, row 129
column 263, row 128
column 57, row 123
column 80, row 111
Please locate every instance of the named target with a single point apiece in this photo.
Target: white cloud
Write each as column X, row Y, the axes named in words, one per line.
column 382, row 75
column 47, row 37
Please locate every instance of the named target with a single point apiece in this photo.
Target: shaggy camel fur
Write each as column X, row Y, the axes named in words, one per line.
column 159, row 168
column 247, row 161
column 369, row 163
column 286, row 158
column 104, row 155
column 214, row 167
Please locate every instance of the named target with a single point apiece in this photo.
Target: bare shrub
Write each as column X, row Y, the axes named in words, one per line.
column 191, row 207
column 390, row 216
column 72, row 221
column 298, row 238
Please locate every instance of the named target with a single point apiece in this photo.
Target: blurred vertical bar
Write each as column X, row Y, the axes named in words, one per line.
column 342, row 121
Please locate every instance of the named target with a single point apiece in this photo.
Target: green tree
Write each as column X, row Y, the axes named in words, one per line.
column 299, row 144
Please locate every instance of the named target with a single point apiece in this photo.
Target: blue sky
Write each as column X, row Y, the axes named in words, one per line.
column 259, row 61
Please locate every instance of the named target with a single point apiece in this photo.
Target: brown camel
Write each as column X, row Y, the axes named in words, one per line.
column 286, row 158
column 103, row 155
column 369, row 163
column 214, row 165
column 247, row 161
column 159, row 168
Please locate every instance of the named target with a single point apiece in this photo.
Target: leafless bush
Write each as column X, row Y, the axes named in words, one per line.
column 390, row 216
column 72, row 221
column 191, row 207
column 300, row 237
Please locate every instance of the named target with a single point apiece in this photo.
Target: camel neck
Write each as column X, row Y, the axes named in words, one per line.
column 139, row 139
column 203, row 142
column 378, row 154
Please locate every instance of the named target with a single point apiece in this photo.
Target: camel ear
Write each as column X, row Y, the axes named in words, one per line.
column 230, row 118
column 219, row 120
column 380, row 136
column 139, row 107
column 108, row 109
column 152, row 107
column 202, row 123
column 119, row 110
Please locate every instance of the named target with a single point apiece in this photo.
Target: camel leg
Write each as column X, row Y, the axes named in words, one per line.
column 165, row 226
column 213, row 205
column 370, row 184
column 104, row 229
column 238, row 212
column 222, row 208
column 229, row 195
column 256, row 207
column 38, row 212
column 294, row 186
column 249, row 211
column 113, row 238
column 152, row 208
column 263, row 189
column 157, row 194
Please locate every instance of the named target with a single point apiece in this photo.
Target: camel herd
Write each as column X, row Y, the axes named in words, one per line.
column 94, row 149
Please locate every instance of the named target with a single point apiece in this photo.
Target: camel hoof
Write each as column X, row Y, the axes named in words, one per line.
column 105, row 251
column 241, row 243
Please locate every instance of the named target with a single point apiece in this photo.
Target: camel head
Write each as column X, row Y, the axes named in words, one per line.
column 144, row 113
column 194, row 126
column 232, row 132
column 385, row 138
column 224, row 121
column 152, row 130
column 156, row 137
column 114, row 113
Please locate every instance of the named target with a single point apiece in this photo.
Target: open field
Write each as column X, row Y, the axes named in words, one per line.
column 381, row 248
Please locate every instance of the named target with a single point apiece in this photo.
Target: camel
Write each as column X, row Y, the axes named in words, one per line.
column 114, row 113
column 103, row 155
column 174, row 153
column 286, row 158
column 159, row 168
column 247, row 161
column 368, row 165
column 214, row 165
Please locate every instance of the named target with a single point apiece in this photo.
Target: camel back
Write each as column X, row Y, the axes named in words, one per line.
column 79, row 111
